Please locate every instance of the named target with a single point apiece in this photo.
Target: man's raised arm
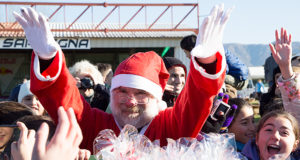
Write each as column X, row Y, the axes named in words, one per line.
column 50, row 81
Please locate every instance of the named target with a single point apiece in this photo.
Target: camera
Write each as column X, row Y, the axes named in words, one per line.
column 86, row 83
column 219, row 106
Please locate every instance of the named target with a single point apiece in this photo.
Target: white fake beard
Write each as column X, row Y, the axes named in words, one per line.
column 139, row 119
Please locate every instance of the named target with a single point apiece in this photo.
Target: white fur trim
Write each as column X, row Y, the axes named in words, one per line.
column 138, row 82
column 37, row 71
column 207, row 75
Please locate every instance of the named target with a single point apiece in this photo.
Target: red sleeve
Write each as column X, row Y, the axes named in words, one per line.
column 192, row 106
column 58, row 92
column 62, row 91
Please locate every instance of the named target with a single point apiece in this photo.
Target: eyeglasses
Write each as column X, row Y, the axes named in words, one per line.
column 140, row 98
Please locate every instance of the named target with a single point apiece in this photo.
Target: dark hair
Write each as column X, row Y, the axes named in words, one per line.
column 103, row 68
column 275, row 104
column 172, row 61
column 15, row 93
column 280, row 113
column 268, row 97
column 275, row 71
column 296, row 57
column 241, row 103
column 11, row 111
column 188, row 42
column 34, row 122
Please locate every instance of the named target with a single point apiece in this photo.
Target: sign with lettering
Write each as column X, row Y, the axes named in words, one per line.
column 65, row 43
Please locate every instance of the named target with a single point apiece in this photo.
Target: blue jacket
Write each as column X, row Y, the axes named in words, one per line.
column 236, row 67
column 259, row 87
column 239, row 146
column 250, row 151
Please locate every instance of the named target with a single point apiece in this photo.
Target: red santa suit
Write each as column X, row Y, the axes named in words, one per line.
column 56, row 87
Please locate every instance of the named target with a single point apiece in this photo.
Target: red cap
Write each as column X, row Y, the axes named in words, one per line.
column 145, row 71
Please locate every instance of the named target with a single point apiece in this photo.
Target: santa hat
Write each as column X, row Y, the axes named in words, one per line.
column 24, row 91
column 145, row 71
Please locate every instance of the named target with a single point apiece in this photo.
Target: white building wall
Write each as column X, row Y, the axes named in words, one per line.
column 257, row 72
column 134, row 42
column 143, row 43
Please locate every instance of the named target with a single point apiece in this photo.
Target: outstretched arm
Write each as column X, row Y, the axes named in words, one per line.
column 210, row 38
column 289, row 82
column 282, row 52
column 38, row 33
column 206, row 75
column 52, row 83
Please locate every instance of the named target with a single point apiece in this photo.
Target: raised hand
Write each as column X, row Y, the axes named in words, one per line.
column 65, row 142
column 37, row 33
column 210, row 37
column 169, row 88
column 282, row 52
column 24, row 147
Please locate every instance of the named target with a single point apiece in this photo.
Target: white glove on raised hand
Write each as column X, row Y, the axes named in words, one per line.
column 210, row 37
column 37, row 33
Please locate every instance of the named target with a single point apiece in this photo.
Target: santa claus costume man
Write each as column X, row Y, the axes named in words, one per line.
column 137, row 85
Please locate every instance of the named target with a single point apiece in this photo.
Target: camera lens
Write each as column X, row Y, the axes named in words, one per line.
column 86, row 83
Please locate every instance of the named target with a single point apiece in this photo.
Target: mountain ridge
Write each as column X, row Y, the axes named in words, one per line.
column 255, row 54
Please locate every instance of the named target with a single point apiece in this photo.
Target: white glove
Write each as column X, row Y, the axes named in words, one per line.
column 209, row 39
column 37, row 33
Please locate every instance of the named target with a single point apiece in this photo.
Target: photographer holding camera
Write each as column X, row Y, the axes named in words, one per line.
column 90, row 84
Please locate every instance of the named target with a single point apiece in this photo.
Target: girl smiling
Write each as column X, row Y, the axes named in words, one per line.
column 277, row 136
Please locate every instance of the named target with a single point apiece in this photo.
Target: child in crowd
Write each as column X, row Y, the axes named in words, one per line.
column 26, row 97
column 9, row 113
column 277, row 136
column 278, row 131
column 289, row 81
column 243, row 123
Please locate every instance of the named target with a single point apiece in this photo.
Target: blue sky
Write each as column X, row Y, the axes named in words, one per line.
column 251, row 22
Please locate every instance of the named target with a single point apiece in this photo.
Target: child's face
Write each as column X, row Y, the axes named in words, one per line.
column 276, row 137
column 5, row 135
column 34, row 104
column 243, row 126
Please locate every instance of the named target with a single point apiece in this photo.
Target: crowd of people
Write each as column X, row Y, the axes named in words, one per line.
column 59, row 112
